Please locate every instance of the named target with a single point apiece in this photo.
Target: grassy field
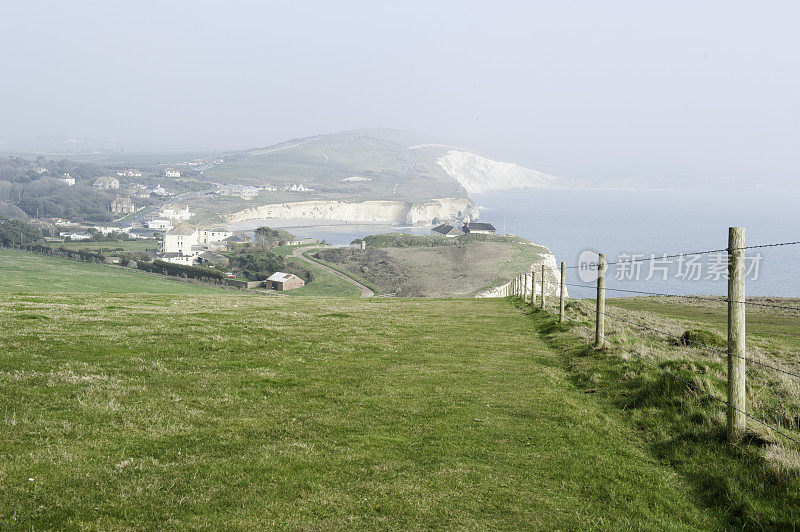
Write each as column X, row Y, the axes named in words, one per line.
column 755, row 484
column 30, row 272
column 125, row 411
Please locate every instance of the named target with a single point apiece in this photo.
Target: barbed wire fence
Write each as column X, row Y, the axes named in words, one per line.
column 524, row 287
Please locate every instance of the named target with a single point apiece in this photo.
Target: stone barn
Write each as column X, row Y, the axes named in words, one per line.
column 283, row 281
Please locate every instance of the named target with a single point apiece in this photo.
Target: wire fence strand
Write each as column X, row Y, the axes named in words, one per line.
column 696, row 387
column 691, row 342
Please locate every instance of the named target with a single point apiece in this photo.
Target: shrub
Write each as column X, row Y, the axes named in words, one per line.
column 697, row 337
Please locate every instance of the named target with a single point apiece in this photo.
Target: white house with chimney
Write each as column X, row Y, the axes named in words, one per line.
column 175, row 212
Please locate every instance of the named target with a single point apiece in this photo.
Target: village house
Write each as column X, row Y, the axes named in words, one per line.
column 447, row 230
column 130, row 172
column 479, row 228
column 76, row 236
column 172, row 173
column 67, row 179
column 158, row 223
column 106, row 183
column 283, row 281
column 122, row 206
column 237, row 238
column 181, row 239
column 175, row 212
column 106, row 229
column 184, row 244
column 214, row 239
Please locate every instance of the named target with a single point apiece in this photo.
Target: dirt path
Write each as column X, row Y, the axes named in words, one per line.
column 365, row 292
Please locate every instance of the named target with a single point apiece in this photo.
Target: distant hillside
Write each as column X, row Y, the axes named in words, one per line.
column 343, row 170
column 364, row 165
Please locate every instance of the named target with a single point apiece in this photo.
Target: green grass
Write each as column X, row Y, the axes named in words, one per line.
column 325, row 284
column 753, row 485
column 137, row 411
column 31, row 272
column 311, row 254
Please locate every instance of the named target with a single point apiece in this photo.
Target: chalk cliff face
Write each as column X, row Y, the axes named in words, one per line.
column 480, row 174
column 396, row 212
column 551, row 285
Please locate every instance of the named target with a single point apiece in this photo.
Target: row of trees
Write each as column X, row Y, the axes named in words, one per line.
column 181, row 270
column 19, row 233
column 46, row 197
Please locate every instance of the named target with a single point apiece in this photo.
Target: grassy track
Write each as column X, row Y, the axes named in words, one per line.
column 224, row 411
column 30, row 272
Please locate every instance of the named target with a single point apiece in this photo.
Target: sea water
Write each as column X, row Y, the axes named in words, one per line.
column 627, row 224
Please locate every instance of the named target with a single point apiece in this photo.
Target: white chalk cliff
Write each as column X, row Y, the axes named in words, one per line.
column 396, row 212
column 480, row 174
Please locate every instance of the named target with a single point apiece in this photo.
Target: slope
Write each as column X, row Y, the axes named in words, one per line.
column 30, row 272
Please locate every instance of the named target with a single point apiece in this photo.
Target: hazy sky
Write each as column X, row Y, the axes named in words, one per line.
column 593, row 88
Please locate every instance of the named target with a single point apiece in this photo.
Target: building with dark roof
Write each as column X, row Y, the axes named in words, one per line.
column 447, row 230
column 479, row 228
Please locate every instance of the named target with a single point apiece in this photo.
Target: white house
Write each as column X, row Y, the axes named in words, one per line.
column 77, row 236
column 106, row 183
column 172, row 173
column 159, row 224
column 67, row 179
column 183, row 244
column 214, row 238
column 175, row 212
column 159, row 191
column 130, row 172
column 182, row 239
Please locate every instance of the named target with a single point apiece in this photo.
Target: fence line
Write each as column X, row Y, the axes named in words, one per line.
column 737, row 303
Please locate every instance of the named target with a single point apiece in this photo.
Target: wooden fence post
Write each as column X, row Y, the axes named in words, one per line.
column 542, row 286
column 533, row 286
column 737, row 421
column 600, row 325
column 525, row 288
column 561, row 293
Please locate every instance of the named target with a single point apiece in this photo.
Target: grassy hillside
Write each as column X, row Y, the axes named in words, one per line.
column 413, row 266
column 30, row 272
column 143, row 411
column 381, row 157
column 753, row 484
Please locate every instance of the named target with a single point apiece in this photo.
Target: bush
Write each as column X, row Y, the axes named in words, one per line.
column 697, row 337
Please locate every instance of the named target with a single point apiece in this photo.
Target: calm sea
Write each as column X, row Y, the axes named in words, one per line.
column 623, row 224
